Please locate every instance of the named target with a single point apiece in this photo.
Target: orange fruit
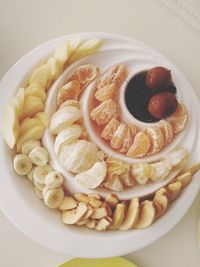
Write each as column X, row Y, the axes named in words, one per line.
column 106, row 92
column 140, row 146
column 109, row 129
column 118, row 136
column 167, row 131
column 179, row 118
column 85, row 74
column 103, row 113
column 128, row 140
column 156, row 139
column 70, row 90
column 120, row 75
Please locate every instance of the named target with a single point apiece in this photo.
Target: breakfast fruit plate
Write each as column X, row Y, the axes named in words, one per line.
column 100, row 145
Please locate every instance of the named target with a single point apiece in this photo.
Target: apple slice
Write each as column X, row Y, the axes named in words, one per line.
column 73, row 44
column 132, row 215
column 118, row 216
column 37, row 90
column 43, row 117
column 32, row 105
column 87, row 48
column 160, row 202
column 33, row 133
column 103, row 224
column 40, row 75
column 75, row 215
column 99, row 213
column 62, row 53
column 184, row 178
column 20, row 95
column 10, row 125
column 68, row 203
column 147, row 214
column 194, row 168
column 27, row 124
column 173, row 190
column 55, row 67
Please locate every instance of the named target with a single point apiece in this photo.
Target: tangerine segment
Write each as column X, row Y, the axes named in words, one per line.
column 167, row 131
column 103, row 113
column 106, row 92
column 179, row 118
column 134, row 129
column 118, row 136
column 70, row 90
column 156, row 139
column 116, row 74
column 140, row 146
column 85, row 74
column 128, row 140
column 109, row 129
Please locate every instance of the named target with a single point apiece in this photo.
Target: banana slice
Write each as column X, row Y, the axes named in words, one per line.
column 174, row 190
column 37, row 90
column 177, row 157
column 33, row 133
column 39, row 156
column 38, row 193
column 40, row 173
column 29, row 145
column 132, row 215
column 68, row 203
column 32, row 105
column 93, row 177
column 78, row 156
column 75, row 215
column 160, row 202
column 70, row 102
column 141, row 172
column 87, row 48
column 54, row 197
column 114, row 183
column 147, row 214
column 161, row 170
column 118, row 216
column 73, row 44
column 184, row 178
column 10, row 125
column 53, row 179
column 43, row 117
column 62, row 52
column 30, row 175
column 39, row 186
column 55, row 67
column 63, row 118
column 40, row 76
column 66, row 137
column 103, row 224
column 22, row 164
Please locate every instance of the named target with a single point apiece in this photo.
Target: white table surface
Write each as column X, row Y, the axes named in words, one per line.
column 172, row 27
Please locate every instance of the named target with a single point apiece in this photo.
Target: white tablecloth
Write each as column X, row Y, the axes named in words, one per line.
column 172, row 27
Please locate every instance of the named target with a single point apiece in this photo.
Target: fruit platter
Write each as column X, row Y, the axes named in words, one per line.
column 103, row 130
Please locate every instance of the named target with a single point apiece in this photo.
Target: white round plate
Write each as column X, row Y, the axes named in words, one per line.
column 43, row 225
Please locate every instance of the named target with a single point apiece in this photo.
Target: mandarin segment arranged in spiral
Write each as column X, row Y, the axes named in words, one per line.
column 90, row 167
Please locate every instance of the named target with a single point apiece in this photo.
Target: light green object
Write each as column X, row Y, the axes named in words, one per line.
column 111, row 262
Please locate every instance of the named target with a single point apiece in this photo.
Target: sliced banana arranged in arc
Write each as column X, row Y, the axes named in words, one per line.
column 53, row 179
column 30, row 175
column 29, row 145
column 66, row 137
column 64, row 117
column 118, row 216
column 93, row 177
column 160, row 202
column 146, row 215
column 39, row 186
column 40, row 173
column 22, row 164
column 53, row 197
column 38, row 193
column 73, row 216
column 39, row 156
column 132, row 215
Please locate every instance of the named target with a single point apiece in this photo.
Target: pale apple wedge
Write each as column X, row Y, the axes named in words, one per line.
column 10, row 125
column 33, row 133
column 20, row 96
column 160, row 202
column 37, row 90
column 103, row 224
column 99, row 213
column 118, row 216
column 112, row 200
column 32, row 105
column 87, row 48
column 68, row 203
column 147, row 214
column 132, row 215
column 73, row 44
column 55, row 67
column 27, row 124
column 194, row 168
column 173, row 190
column 73, row 216
column 40, row 76
column 43, row 117
column 62, row 52
column 184, row 178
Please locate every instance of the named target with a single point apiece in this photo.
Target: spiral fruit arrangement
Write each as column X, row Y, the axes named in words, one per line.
column 152, row 99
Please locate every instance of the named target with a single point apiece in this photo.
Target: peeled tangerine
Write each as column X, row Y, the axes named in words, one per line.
column 103, row 113
column 140, row 146
column 79, row 156
column 156, row 139
column 64, row 117
column 93, row 177
column 70, row 90
column 118, row 136
column 109, row 129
